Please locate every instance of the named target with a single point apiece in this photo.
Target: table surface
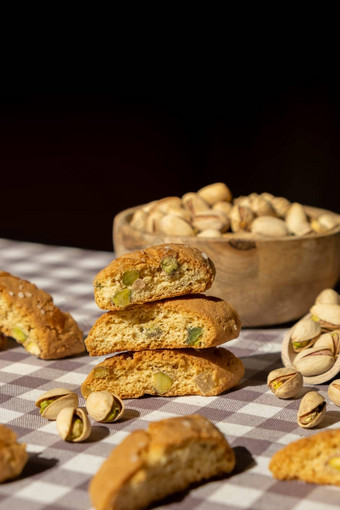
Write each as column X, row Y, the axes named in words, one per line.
column 56, row 477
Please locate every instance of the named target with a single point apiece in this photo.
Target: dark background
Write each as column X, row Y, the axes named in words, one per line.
column 71, row 161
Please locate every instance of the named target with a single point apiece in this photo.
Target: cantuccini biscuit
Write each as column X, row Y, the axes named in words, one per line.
column 158, row 272
column 192, row 321
column 13, row 456
column 166, row 458
column 315, row 459
column 29, row 316
column 167, row 372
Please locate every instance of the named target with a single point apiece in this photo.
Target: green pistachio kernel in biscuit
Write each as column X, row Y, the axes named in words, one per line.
column 76, row 430
column 130, row 276
column 169, row 265
column 100, row 372
column 161, row 382
column 112, row 414
column 19, row 335
column 153, row 332
column 334, row 462
column 122, row 298
column 98, row 285
column 33, row 348
column 44, row 404
column 194, row 335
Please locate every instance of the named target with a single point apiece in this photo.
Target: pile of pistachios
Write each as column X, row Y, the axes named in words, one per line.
column 72, row 422
column 212, row 212
column 315, row 340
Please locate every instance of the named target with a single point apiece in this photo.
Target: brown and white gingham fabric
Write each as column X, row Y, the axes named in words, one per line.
column 57, row 474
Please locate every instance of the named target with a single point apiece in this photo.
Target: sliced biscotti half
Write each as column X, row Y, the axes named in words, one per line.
column 314, row 459
column 28, row 314
column 167, row 372
column 166, row 458
column 158, row 272
column 192, row 321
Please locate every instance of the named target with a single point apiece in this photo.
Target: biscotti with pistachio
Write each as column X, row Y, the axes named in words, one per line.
column 313, row 459
column 13, row 455
column 158, row 272
column 29, row 315
column 168, row 457
column 196, row 321
column 167, row 372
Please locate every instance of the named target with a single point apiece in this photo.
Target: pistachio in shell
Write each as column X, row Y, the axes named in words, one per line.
column 73, row 425
column 304, row 334
column 103, row 406
column 297, row 221
column 285, row 382
column 329, row 341
column 327, row 315
column 328, row 297
column 269, row 226
column 314, row 361
column 334, row 392
column 241, row 218
column 53, row 401
column 312, row 410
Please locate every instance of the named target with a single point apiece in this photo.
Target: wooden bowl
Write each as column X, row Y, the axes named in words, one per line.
column 288, row 356
column 268, row 280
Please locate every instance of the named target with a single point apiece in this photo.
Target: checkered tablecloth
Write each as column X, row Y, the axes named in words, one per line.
column 57, row 474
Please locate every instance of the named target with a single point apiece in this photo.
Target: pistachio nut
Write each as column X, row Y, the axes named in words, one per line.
column 210, row 232
column 297, row 221
column 215, row 192
column 280, row 205
column 244, row 201
column 164, row 204
column 103, row 406
column 73, row 424
column 260, row 206
column 334, row 392
column 175, row 226
column 327, row 221
column 312, row 410
column 314, row 361
column 181, row 212
column 329, row 341
column 210, row 220
column 285, row 382
column 194, row 203
column 138, row 220
column 269, row 226
column 224, row 207
column 52, row 402
column 241, row 218
column 328, row 297
column 328, row 316
column 153, row 220
column 304, row 334
column 161, row 383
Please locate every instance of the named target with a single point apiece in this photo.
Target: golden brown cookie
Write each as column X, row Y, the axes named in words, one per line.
column 29, row 316
column 167, row 372
column 193, row 321
column 158, row 272
column 166, row 458
column 314, row 459
column 13, row 456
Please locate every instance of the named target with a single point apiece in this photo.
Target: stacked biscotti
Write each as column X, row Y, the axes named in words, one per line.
column 166, row 327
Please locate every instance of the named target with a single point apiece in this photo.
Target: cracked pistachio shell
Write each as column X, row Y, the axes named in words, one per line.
column 297, row 221
column 152, row 222
column 327, row 315
column 334, row 392
column 327, row 222
column 64, row 424
column 194, row 203
column 224, row 207
column 281, row 206
column 241, row 218
column 60, row 398
column 138, row 220
column 215, row 192
column 164, row 204
column 173, row 225
column 314, row 361
column 329, row 341
column 100, row 404
column 285, row 382
column 312, row 410
column 269, row 226
column 328, row 297
column 261, row 206
column 210, row 220
column 304, row 333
